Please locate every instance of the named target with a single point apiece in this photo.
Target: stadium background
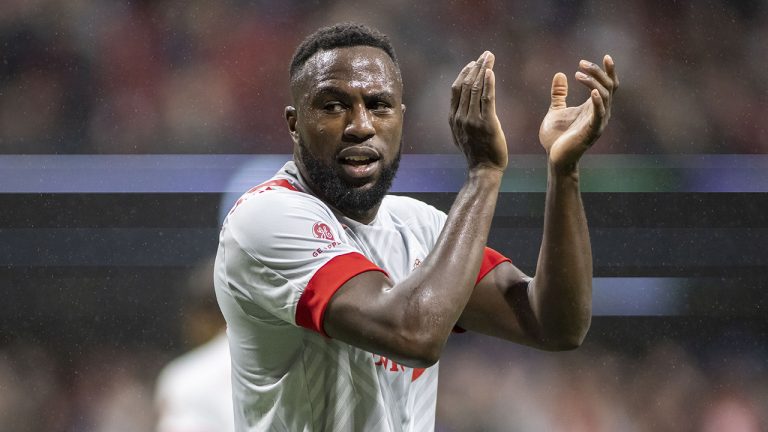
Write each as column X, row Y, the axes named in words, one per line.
column 122, row 124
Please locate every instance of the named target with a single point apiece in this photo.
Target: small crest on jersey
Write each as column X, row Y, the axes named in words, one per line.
column 322, row 231
column 416, row 263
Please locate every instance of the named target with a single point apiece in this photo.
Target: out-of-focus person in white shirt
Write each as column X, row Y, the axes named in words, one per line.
column 194, row 391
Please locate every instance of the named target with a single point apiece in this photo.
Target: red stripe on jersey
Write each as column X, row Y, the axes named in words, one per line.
column 264, row 187
column 491, row 259
column 417, row 373
column 324, row 283
column 279, row 182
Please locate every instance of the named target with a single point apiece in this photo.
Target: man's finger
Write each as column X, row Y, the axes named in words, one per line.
column 599, row 106
column 559, row 91
column 466, row 86
column 593, row 84
column 478, row 86
column 490, row 60
column 598, row 114
column 599, row 76
column 456, row 88
column 488, row 99
column 610, row 69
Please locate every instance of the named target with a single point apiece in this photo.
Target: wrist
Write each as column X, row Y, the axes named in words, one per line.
column 486, row 173
column 565, row 171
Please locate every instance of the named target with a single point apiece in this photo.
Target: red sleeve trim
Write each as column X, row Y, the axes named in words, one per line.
column 323, row 285
column 491, row 259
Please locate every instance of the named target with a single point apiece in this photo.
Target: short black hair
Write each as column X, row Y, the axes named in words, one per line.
column 340, row 36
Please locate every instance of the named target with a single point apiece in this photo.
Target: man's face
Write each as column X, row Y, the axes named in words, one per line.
column 347, row 126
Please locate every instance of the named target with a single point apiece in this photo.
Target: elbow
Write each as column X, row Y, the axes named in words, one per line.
column 420, row 343
column 420, row 337
column 562, row 344
column 420, row 360
column 428, row 352
column 565, row 326
column 416, row 358
column 422, row 350
column 567, row 340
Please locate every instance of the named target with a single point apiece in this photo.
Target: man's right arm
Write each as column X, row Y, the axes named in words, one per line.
column 410, row 321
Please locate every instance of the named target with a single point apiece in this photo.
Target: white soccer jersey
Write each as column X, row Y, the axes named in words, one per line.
column 282, row 254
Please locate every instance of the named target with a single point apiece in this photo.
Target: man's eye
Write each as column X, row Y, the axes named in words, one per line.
column 381, row 107
column 334, row 107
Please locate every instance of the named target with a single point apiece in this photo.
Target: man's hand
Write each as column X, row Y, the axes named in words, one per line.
column 476, row 129
column 566, row 133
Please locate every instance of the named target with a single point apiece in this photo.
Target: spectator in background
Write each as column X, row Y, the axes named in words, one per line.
column 194, row 391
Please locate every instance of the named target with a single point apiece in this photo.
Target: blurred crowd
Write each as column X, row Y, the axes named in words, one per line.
column 484, row 386
column 487, row 386
column 172, row 76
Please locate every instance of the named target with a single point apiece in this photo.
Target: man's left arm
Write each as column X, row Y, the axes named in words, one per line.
column 553, row 309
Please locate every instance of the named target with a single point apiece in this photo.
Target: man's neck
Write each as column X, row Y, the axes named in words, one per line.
column 365, row 217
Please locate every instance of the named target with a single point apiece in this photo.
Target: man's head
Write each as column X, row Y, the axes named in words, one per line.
column 347, row 116
column 342, row 35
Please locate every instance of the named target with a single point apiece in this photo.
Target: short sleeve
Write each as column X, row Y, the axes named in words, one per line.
column 285, row 255
column 491, row 259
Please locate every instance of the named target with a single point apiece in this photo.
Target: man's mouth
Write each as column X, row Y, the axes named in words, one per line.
column 359, row 162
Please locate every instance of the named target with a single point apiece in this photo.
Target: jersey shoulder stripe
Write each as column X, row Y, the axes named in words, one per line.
column 272, row 184
column 275, row 184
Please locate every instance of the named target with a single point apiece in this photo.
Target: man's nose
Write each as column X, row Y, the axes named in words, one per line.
column 359, row 126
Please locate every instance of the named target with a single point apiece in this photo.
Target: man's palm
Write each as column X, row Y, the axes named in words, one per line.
column 567, row 132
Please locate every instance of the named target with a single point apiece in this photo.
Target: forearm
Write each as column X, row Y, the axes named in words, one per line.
column 561, row 291
column 439, row 289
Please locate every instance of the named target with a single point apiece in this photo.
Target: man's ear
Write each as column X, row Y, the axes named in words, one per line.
column 290, row 119
column 402, row 107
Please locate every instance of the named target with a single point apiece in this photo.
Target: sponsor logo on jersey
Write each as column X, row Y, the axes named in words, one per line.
column 322, row 231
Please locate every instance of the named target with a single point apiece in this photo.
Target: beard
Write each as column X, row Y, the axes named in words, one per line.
column 345, row 197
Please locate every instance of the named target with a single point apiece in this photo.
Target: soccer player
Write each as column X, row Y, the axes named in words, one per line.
column 339, row 298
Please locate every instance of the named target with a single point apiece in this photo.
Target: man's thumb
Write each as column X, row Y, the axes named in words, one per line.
column 559, row 91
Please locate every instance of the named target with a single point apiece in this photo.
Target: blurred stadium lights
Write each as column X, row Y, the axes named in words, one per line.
column 661, row 238
column 418, row 173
